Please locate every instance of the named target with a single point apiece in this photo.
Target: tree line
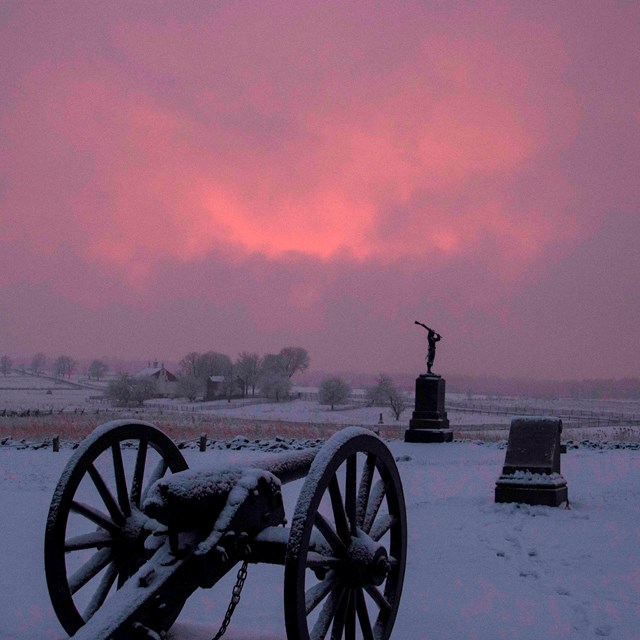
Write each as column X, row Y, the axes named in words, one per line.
column 60, row 367
column 270, row 373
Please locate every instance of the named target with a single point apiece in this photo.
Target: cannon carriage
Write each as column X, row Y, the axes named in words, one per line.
column 132, row 532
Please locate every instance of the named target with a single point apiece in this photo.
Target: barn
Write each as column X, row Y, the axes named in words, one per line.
column 166, row 380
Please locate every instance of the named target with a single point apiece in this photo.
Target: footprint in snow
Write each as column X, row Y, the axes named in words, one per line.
column 603, row 630
column 529, row 574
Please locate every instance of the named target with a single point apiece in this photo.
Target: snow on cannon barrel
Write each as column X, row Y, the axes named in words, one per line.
column 132, row 533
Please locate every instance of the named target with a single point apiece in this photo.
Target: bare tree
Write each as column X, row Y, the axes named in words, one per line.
column 378, row 396
column 38, row 363
column 189, row 364
column 274, row 380
column 204, row 365
column 119, row 390
column 294, row 359
column 247, row 368
column 63, row 366
column 190, row 387
column 212, row 363
column 6, row 365
column 144, row 389
column 334, row 391
column 398, row 402
column 126, row 389
column 97, row 369
column 230, row 384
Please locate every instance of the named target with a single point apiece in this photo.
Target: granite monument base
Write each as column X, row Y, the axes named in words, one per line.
column 531, row 472
column 428, row 435
column 429, row 422
column 552, row 493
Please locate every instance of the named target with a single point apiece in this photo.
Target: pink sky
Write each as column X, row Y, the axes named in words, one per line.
column 247, row 176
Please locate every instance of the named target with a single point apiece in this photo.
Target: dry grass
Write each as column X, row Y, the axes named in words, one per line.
column 73, row 428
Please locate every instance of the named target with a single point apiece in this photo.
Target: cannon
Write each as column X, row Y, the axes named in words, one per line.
column 132, row 532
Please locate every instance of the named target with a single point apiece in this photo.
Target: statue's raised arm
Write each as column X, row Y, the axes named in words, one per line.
column 432, row 338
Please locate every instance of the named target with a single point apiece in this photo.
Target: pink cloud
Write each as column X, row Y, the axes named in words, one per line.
column 454, row 112
column 324, row 172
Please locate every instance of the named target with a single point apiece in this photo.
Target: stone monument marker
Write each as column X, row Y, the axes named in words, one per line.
column 429, row 422
column 531, row 471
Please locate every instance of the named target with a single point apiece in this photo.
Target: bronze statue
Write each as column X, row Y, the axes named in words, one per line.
column 432, row 338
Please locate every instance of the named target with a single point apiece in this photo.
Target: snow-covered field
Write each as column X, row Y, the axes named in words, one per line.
column 476, row 570
column 582, row 418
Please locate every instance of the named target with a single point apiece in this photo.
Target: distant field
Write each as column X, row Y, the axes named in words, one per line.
column 47, row 407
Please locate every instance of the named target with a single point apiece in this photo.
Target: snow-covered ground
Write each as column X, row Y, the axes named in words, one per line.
column 476, row 569
column 312, row 412
column 595, row 419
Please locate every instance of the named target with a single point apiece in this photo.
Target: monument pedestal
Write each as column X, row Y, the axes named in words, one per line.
column 429, row 422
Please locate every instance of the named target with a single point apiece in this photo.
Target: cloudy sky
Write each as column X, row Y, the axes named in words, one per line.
column 251, row 175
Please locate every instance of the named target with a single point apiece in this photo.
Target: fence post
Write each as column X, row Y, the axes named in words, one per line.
column 203, row 442
column 56, row 444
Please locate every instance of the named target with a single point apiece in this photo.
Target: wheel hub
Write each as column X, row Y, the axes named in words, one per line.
column 368, row 562
column 134, row 531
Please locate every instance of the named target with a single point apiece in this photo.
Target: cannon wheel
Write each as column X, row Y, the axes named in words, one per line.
column 345, row 559
column 96, row 530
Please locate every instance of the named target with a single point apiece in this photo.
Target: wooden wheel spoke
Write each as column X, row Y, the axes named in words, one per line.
column 340, row 617
column 88, row 541
column 90, row 569
column 350, row 492
column 96, row 516
column 378, row 598
column 138, row 474
column 365, row 488
column 316, row 594
column 378, row 493
column 106, row 495
column 339, row 515
column 121, row 479
column 327, row 615
column 350, row 626
column 123, row 573
column 330, row 535
column 158, row 472
column 363, row 616
column 320, row 561
column 381, row 526
column 101, row 593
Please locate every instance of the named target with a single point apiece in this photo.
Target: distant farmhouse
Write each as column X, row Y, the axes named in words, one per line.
column 214, row 388
column 166, row 381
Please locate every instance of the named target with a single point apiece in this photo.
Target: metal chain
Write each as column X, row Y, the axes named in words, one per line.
column 235, row 598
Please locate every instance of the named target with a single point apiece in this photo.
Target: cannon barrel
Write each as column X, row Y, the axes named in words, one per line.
column 195, row 497
column 287, row 467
